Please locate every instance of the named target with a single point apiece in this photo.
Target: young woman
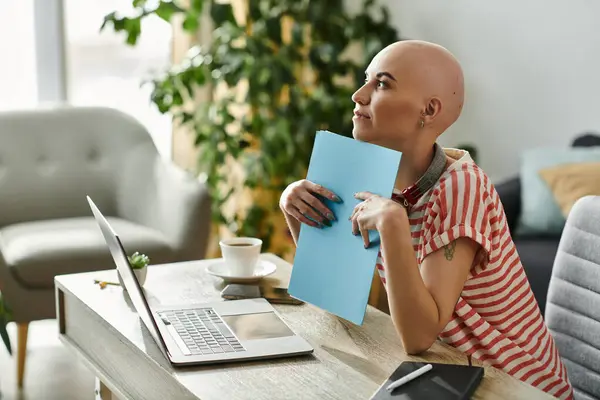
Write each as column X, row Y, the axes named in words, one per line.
column 447, row 259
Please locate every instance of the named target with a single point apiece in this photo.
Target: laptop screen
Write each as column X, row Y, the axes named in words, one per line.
column 128, row 277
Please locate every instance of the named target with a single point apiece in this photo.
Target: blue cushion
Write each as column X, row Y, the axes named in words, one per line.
column 540, row 213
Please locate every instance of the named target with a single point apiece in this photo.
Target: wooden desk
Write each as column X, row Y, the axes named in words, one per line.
column 349, row 362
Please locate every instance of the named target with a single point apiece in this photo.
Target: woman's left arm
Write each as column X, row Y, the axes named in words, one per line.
column 421, row 301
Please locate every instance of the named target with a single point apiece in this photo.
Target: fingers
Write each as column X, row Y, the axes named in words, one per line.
column 298, row 215
column 356, row 210
column 313, row 187
column 365, row 235
column 308, row 211
column 355, row 227
column 363, row 195
column 354, row 218
column 358, row 228
column 359, row 225
column 316, row 204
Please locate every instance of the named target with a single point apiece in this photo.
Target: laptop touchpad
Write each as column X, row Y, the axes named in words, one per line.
column 265, row 325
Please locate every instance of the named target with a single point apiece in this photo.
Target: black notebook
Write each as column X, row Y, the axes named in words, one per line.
column 443, row 381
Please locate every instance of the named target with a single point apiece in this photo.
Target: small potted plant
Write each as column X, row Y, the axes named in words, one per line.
column 139, row 263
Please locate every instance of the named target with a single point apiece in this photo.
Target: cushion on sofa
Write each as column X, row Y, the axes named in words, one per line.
column 570, row 182
column 36, row 252
column 540, row 212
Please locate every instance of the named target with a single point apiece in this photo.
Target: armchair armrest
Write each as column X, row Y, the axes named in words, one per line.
column 156, row 193
column 510, row 196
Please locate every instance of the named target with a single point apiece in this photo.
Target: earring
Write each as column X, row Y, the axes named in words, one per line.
column 422, row 124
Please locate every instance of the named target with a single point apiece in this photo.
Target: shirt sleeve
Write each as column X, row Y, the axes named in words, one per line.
column 461, row 206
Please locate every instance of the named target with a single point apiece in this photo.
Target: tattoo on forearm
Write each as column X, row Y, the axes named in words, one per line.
column 449, row 250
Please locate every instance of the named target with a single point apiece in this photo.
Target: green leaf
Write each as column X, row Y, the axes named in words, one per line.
column 185, row 117
column 254, row 11
column 222, row 13
column 197, row 6
column 221, row 219
column 191, row 23
column 133, row 28
column 273, row 28
column 138, row 260
column 166, row 9
column 120, row 24
column 177, row 98
column 264, row 76
column 186, row 79
column 297, row 34
column 109, row 18
column 199, row 76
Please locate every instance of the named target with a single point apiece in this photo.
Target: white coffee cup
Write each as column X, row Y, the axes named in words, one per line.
column 241, row 255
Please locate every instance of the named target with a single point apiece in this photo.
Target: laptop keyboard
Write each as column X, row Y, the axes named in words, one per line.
column 203, row 331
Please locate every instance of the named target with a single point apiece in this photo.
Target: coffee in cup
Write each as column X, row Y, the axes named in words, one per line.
column 241, row 255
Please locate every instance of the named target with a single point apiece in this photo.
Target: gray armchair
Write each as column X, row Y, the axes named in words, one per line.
column 49, row 161
column 573, row 307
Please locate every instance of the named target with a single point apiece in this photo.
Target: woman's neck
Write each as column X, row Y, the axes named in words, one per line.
column 413, row 164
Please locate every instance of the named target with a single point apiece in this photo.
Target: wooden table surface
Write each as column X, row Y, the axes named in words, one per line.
column 349, row 361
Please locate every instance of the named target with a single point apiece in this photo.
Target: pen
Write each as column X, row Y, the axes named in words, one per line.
column 409, row 377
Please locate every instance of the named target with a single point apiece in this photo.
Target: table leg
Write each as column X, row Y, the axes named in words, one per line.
column 103, row 392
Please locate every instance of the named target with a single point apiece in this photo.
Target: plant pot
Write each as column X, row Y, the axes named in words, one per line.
column 140, row 274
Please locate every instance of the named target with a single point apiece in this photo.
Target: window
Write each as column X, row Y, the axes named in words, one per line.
column 17, row 51
column 103, row 70
column 99, row 68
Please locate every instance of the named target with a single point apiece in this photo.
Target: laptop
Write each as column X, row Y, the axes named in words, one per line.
column 205, row 333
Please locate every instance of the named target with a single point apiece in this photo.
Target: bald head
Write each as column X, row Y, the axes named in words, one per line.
column 432, row 71
column 414, row 91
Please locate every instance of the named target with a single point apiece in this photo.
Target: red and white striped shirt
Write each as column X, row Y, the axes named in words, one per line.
column 496, row 319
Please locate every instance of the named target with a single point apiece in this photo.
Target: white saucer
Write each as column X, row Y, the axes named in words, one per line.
column 220, row 269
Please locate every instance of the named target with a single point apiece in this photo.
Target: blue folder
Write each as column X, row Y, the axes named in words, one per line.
column 332, row 269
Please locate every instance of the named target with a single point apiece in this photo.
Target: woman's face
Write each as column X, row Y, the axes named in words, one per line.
column 388, row 106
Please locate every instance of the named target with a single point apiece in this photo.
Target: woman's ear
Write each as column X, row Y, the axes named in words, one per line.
column 434, row 107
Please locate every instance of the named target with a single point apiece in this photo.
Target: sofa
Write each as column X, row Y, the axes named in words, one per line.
column 537, row 252
column 50, row 160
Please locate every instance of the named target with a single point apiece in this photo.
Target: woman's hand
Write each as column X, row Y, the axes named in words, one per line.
column 372, row 213
column 300, row 201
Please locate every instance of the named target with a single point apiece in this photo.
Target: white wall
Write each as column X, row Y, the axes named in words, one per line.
column 532, row 70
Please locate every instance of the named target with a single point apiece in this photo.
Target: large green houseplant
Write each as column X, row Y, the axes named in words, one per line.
column 284, row 71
